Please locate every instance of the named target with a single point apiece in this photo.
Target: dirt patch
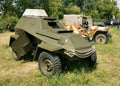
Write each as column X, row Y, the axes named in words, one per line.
column 4, row 37
column 18, row 68
column 23, row 69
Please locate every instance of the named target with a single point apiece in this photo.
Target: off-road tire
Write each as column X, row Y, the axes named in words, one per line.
column 92, row 60
column 49, row 64
column 15, row 57
column 101, row 38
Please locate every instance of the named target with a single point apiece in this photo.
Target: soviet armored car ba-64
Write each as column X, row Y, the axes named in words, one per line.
column 49, row 42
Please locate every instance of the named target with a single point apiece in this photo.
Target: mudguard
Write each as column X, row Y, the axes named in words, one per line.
column 49, row 47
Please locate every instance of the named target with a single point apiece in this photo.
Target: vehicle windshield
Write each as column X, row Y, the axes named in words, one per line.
column 53, row 24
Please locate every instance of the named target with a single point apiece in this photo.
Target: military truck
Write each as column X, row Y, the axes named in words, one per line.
column 92, row 31
column 49, row 42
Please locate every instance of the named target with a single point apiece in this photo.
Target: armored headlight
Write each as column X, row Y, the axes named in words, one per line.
column 62, row 41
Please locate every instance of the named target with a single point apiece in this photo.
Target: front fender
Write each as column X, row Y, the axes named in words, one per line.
column 49, row 47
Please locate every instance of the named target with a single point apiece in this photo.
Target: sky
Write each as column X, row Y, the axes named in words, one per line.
column 118, row 3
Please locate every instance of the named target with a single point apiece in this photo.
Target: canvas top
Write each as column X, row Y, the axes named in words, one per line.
column 76, row 18
column 72, row 18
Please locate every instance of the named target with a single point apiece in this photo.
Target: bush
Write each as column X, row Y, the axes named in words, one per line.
column 72, row 9
column 2, row 24
column 13, row 20
column 8, row 23
column 11, row 23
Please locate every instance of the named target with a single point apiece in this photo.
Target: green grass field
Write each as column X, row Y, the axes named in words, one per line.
column 26, row 73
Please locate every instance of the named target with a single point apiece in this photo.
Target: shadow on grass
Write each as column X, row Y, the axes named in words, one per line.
column 69, row 66
column 78, row 66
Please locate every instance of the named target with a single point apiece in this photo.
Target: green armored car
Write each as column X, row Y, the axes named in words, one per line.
column 49, row 42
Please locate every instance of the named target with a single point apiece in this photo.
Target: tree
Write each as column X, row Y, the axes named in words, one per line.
column 21, row 5
column 106, row 9
column 56, row 8
column 89, row 8
column 118, row 14
column 7, row 6
column 72, row 9
column 98, row 9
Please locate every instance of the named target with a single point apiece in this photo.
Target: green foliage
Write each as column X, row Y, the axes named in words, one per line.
column 56, row 9
column 8, row 7
column 13, row 19
column 4, row 82
column 106, row 9
column 2, row 23
column 72, row 9
column 98, row 9
column 21, row 5
column 118, row 15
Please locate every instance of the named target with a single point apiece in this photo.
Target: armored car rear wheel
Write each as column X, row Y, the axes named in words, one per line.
column 49, row 64
column 92, row 60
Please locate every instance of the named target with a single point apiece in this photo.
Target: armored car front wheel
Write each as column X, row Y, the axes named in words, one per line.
column 49, row 64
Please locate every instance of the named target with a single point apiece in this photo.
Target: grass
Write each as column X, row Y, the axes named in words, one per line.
column 22, row 73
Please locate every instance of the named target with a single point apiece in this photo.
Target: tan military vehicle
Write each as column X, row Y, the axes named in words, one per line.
column 84, row 26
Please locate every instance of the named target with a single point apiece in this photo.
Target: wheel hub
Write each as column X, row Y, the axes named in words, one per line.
column 48, row 65
column 100, row 40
